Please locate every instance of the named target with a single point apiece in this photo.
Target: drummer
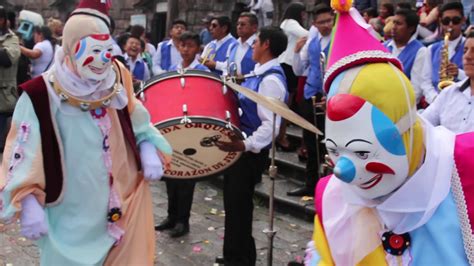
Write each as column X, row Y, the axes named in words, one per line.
column 268, row 79
column 180, row 191
column 189, row 46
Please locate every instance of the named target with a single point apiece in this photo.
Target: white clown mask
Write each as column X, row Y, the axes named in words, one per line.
column 365, row 147
column 93, row 56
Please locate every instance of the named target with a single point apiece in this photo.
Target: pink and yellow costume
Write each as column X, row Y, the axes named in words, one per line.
column 402, row 192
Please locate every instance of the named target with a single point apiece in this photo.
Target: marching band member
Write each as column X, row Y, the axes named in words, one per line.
column 72, row 164
column 180, row 192
column 137, row 65
column 400, row 193
column 411, row 52
column 451, row 20
column 241, row 51
column 257, row 123
column 309, row 58
column 215, row 52
column 167, row 53
column 454, row 105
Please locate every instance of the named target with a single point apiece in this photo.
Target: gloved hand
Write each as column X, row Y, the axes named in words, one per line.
column 151, row 162
column 33, row 219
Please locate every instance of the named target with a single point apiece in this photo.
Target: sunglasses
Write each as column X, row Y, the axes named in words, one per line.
column 447, row 20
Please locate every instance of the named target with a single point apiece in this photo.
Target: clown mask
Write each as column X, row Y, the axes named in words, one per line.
column 365, row 146
column 93, row 57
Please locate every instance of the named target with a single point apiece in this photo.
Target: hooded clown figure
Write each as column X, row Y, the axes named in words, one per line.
column 80, row 153
column 402, row 192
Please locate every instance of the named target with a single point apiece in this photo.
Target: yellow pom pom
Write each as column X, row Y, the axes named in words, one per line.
column 341, row 5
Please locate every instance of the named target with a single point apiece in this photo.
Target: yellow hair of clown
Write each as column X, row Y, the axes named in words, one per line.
column 387, row 88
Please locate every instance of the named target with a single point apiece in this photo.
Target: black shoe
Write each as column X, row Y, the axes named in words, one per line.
column 301, row 191
column 165, row 224
column 180, row 229
column 295, row 263
column 219, row 260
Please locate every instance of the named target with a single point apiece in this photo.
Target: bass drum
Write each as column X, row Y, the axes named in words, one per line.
column 193, row 110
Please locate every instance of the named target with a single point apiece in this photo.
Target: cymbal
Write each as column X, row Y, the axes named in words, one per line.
column 274, row 105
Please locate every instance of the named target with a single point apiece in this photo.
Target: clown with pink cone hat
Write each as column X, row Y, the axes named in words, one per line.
column 401, row 191
column 81, row 153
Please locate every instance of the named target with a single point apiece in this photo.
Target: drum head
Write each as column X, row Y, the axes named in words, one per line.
column 194, row 152
column 175, row 74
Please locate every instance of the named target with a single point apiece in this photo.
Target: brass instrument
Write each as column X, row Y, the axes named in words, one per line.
column 445, row 79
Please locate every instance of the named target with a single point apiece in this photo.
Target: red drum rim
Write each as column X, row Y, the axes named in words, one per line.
column 176, row 74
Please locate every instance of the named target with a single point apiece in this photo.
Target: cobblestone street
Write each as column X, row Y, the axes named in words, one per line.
column 204, row 242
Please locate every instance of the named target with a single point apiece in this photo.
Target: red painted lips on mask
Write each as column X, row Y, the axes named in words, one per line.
column 379, row 168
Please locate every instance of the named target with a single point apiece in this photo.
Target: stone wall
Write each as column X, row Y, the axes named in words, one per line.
column 191, row 11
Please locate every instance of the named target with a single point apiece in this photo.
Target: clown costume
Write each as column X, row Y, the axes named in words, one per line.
column 402, row 192
column 80, row 153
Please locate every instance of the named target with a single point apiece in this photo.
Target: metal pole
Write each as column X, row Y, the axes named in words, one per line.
column 315, row 117
column 270, row 232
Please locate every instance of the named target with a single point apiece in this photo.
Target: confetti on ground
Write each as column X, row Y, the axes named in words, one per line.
column 207, row 199
column 293, row 225
column 211, row 229
column 160, row 253
column 306, row 198
column 22, row 239
column 9, row 264
column 294, row 245
column 206, row 242
column 182, row 241
column 213, row 211
column 197, row 249
column 299, row 259
column 262, row 253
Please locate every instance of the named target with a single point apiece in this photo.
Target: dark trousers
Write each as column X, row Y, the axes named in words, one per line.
column 3, row 129
column 239, row 187
column 180, row 198
column 309, row 138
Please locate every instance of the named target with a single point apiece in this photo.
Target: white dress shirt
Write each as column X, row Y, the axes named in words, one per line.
column 301, row 59
column 220, row 65
column 131, row 63
column 191, row 66
column 294, row 31
column 242, row 48
column 175, row 58
column 453, row 108
column 420, row 74
column 270, row 86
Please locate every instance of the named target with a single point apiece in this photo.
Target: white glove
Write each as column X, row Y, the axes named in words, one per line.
column 33, row 219
column 151, row 163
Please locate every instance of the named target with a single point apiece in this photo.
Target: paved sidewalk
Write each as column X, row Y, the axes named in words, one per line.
column 204, row 242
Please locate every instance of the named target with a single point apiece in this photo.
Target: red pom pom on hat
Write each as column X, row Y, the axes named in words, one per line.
column 102, row 6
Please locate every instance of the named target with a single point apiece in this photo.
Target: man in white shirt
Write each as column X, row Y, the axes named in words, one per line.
column 264, row 11
column 167, row 53
column 454, row 107
column 307, row 62
column 256, row 122
column 412, row 53
column 241, row 51
column 451, row 19
column 215, row 52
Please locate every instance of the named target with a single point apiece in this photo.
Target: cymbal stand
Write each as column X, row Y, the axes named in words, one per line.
column 270, row 232
column 315, row 117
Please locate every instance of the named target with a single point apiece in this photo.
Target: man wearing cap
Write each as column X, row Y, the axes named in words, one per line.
column 401, row 189
column 80, row 153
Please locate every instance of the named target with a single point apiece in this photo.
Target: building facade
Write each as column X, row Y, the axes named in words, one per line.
column 157, row 13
